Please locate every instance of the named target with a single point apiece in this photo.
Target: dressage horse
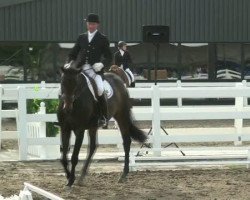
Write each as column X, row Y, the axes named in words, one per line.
column 78, row 111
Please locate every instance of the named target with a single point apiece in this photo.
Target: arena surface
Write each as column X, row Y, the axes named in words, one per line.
column 101, row 183
column 228, row 182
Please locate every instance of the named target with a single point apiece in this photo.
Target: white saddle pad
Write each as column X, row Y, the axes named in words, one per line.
column 108, row 90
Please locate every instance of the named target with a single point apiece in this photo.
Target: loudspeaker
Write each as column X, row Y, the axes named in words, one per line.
column 155, row 34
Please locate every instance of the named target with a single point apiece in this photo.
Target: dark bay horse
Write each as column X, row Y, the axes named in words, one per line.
column 78, row 111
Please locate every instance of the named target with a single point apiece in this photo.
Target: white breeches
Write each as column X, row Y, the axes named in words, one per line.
column 97, row 78
column 131, row 74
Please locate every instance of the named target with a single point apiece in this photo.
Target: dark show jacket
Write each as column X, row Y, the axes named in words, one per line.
column 91, row 52
column 124, row 60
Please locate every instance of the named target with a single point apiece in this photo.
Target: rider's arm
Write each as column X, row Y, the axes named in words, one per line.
column 107, row 55
column 116, row 58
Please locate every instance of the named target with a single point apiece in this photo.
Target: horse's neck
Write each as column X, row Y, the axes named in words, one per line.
column 82, row 84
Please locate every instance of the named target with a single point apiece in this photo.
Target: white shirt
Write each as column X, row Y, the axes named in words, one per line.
column 91, row 35
column 122, row 52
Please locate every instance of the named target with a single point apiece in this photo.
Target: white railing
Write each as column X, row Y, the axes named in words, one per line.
column 154, row 113
column 26, row 194
column 38, row 130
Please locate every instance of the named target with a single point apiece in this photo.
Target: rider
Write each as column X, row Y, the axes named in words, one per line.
column 92, row 50
column 123, row 60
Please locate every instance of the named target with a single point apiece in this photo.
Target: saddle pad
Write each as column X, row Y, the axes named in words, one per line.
column 107, row 88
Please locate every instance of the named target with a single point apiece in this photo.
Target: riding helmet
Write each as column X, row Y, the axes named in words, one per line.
column 121, row 44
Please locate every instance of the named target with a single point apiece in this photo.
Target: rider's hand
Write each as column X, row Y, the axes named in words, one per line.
column 67, row 65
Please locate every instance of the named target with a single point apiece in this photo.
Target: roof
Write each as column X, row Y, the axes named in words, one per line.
column 190, row 21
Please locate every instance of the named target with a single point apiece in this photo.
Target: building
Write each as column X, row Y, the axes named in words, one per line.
column 209, row 39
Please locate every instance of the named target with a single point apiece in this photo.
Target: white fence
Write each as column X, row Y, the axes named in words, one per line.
column 154, row 113
column 26, row 194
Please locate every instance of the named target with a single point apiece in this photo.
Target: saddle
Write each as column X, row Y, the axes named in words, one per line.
column 108, row 91
column 125, row 76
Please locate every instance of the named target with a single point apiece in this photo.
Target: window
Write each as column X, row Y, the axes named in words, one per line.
column 194, row 61
column 11, row 62
column 228, row 65
column 143, row 56
column 247, row 61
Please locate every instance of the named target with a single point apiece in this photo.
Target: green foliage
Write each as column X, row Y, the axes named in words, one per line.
column 51, row 105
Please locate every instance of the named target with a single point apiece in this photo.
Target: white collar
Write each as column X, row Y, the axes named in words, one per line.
column 122, row 52
column 91, row 35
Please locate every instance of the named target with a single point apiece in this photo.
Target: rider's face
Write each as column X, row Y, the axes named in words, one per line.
column 92, row 26
column 124, row 48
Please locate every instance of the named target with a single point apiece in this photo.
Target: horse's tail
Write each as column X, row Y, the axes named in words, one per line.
column 136, row 133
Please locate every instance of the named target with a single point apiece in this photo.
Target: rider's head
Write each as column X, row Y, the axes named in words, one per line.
column 122, row 45
column 92, row 22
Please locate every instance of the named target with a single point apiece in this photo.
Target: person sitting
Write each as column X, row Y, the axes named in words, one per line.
column 123, row 59
column 90, row 48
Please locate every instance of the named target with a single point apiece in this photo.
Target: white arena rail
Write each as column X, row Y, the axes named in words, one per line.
column 156, row 114
column 26, row 194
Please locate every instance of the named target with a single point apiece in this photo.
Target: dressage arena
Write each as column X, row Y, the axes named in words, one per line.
column 215, row 142
column 217, row 182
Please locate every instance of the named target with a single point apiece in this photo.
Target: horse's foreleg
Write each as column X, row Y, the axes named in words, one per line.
column 65, row 137
column 92, row 148
column 74, row 157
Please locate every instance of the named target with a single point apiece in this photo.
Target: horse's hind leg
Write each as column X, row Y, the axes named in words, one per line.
column 74, row 157
column 65, row 137
column 126, row 145
column 92, row 148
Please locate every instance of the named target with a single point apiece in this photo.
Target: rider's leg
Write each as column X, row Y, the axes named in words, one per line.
column 132, row 77
column 102, row 101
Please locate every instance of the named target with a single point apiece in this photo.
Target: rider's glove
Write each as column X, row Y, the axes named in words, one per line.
column 67, row 65
column 98, row 66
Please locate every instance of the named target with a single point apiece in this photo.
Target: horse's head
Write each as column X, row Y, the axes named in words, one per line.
column 69, row 79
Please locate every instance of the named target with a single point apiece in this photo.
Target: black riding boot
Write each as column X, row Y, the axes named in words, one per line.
column 132, row 84
column 103, row 120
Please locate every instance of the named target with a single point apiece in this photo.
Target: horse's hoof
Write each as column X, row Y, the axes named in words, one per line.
column 122, row 179
column 80, row 181
column 68, row 188
column 70, row 182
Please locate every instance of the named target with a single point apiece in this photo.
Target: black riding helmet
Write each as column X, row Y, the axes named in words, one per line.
column 121, row 44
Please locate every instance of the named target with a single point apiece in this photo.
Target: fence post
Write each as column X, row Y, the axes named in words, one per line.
column 43, row 85
column 22, row 114
column 156, row 123
column 238, row 123
column 42, row 131
column 1, row 92
column 42, row 110
column 179, row 99
column 245, row 103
